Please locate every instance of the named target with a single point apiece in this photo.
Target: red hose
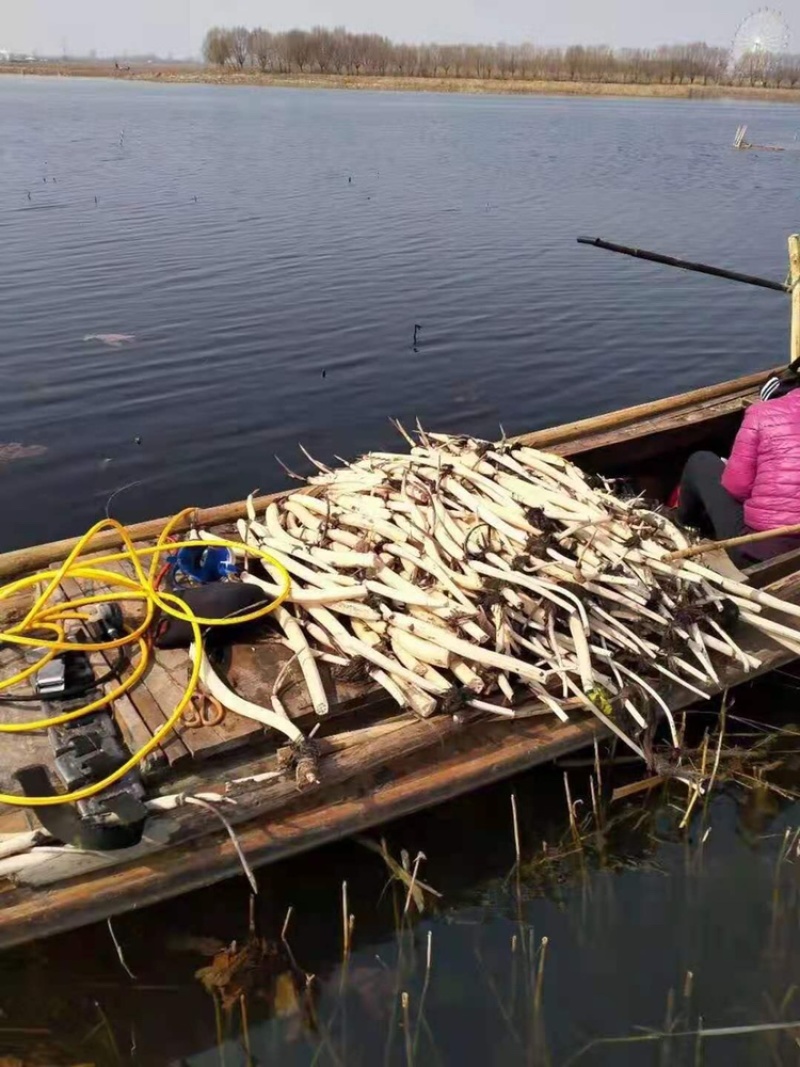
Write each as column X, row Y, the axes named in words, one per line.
column 163, row 572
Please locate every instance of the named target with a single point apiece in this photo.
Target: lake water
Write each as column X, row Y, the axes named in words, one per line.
column 266, row 255
column 270, row 252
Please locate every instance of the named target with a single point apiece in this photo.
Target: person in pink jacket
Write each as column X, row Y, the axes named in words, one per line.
column 758, row 488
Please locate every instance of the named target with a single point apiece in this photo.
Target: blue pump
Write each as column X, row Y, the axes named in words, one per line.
column 204, row 564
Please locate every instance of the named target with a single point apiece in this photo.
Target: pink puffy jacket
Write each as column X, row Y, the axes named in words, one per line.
column 763, row 470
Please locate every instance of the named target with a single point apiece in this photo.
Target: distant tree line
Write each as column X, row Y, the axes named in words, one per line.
column 336, row 51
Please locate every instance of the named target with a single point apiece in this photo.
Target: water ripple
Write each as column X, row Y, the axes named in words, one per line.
column 273, row 301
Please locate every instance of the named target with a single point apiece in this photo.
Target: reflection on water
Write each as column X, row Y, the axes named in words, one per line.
column 625, row 927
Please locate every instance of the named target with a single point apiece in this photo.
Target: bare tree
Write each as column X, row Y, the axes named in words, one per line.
column 752, row 67
column 507, row 59
column 298, row 48
column 336, row 50
column 281, row 53
column 339, row 49
column 240, row 45
column 786, row 70
column 405, row 59
column 217, row 46
column 575, row 62
column 449, row 58
column 261, row 48
column 321, row 49
column 433, row 59
column 381, row 53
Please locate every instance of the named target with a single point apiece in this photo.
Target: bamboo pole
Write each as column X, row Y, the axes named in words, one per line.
column 794, row 278
column 734, row 542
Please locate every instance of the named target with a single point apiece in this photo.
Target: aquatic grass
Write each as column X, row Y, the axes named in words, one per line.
column 219, row 1026
column 699, row 1033
column 753, row 758
column 424, row 992
column 245, row 1030
column 416, row 889
column 515, row 823
column 505, row 1005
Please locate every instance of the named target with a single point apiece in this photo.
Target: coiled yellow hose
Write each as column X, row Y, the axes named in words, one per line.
column 50, row 617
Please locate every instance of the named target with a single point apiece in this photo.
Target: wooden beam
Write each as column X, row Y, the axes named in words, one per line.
column 574, row 431
column 794, row 279
column 761, row 574
column 193, row 864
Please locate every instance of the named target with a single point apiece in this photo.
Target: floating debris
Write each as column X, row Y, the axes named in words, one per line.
column 113, row 340
column 198, row 944
column 14, row 450
column 739, row 142
column 240, row 969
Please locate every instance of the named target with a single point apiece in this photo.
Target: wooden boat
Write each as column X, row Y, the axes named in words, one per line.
column 376, row 764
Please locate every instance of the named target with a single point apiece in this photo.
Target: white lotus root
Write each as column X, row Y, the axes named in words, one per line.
column 469, row 575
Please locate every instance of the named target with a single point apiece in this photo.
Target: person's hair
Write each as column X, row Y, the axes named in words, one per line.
column 782, row 383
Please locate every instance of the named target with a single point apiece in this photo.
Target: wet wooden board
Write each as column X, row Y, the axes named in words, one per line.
column 252, row 672
column 261, row 798
column 252, row 669
column 138, row 715
column 19, row 749
column 166, row 681
column 135, row 732
column 134, row 729
column 204, row 860
column 159, row 691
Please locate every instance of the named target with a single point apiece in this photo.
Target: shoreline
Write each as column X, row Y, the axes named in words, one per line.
column 197, row 75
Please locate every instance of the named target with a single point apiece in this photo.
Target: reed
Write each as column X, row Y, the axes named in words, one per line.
column 347, row 923
column 515, row 823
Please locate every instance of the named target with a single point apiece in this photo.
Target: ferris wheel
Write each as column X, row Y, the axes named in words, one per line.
column 762, row 32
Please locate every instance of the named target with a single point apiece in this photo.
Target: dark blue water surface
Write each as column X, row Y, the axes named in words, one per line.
column 271, row 252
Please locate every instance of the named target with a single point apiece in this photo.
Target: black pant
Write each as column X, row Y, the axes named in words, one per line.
column 704, row 502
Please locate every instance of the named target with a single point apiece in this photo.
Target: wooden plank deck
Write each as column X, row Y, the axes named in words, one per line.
column 251, row 669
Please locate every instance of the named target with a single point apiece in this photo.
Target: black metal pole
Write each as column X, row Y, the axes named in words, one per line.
column 685, row 264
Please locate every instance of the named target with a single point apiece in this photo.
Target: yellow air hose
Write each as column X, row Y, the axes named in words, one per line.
column 48, row 617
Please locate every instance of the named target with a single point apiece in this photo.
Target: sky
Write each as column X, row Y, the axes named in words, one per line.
column 177, row 27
